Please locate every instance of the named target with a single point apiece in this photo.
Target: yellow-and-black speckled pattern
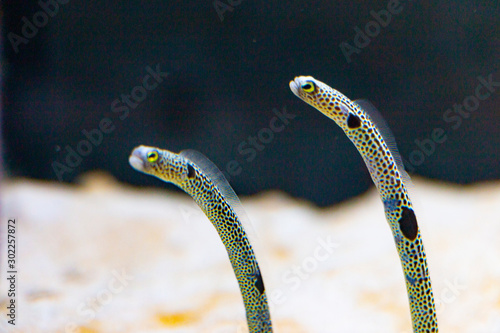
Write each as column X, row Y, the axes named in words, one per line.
column 381, row 159
column 208, row 194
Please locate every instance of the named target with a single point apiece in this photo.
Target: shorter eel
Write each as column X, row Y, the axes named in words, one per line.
column 196, row 175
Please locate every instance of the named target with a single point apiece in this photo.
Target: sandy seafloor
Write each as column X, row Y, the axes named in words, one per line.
column 105, row 257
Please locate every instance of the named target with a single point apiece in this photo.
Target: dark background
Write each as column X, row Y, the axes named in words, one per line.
column 226, row 77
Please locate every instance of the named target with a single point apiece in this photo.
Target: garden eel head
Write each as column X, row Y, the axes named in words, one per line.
column 329, row 101
column 161, row 163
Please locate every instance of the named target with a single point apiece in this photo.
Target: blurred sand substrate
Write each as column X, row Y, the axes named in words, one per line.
column 105, row 257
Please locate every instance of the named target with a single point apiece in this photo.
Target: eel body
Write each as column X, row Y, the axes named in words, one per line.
column 201, row 179
column 367, row 130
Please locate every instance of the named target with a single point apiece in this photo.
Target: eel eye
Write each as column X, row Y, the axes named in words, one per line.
column 308, row 87
column 152, row 156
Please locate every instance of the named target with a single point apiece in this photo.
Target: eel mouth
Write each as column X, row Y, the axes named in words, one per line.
column 294, row 86
column 136, row 159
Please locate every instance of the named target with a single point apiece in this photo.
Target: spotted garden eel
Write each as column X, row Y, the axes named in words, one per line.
column 201, row 179
column 366, row 128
